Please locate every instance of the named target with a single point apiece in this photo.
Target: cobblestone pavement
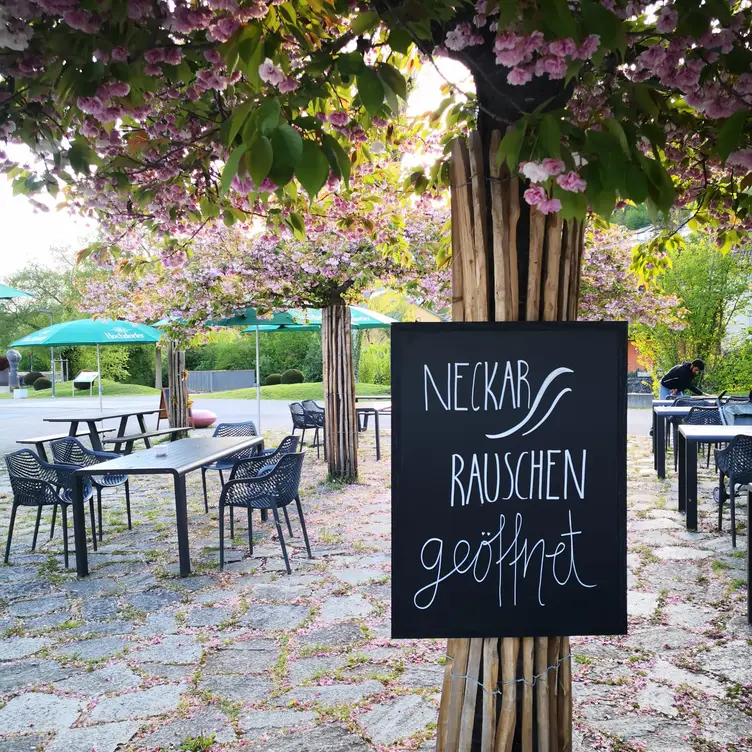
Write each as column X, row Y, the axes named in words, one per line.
column 136, row 658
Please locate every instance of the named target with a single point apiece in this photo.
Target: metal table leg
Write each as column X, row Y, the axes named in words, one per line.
column 682, row 449
column 79, row 526
column 691, row 484
column 96, row 442
column 142, row 426
column 749, row 559
column 181, row 516
column 122, row 429
column 378, row 438
column 660, row 447
column 655, row 453
column 73, row 428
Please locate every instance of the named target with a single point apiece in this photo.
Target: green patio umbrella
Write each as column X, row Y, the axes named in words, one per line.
column 6, row 293
column 92, row 332
column 309, row 319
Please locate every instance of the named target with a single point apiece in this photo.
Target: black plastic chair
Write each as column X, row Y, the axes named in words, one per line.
column 251, row 467
column 735, row 463
column 247, row 428
column 704, row 416
column 71, row 451
column 268, row 490
column 315, row 417
column 300, row 420
column 42, row 484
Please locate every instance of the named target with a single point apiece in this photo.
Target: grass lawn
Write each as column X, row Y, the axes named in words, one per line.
column 109, row 389
column 292, row 392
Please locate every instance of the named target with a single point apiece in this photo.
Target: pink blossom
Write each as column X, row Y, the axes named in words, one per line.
column 588, row 48
column 339, row 118
column 81, row 20
column 652, row 57
column 152, row 70
column 511, row 58
column 667, row 19
column 506, row 41
column 213, row 57
column 270, row 73
column 519, row 76
column 257, row 10
column 173, row 56
column 535, row 195
column 741, row 158
column 555, row 67
column 139, row 9
column 563, row 47
column 119, row 55
column 550, row 206
column 553, row 166
column 572, row 182
column 534, row 172
column 223, row 29
column 287, row 85
column 267, row 186
column 154, row 56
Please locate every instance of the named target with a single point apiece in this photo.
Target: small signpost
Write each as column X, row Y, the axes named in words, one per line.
column 509, row 479
column 86, row 378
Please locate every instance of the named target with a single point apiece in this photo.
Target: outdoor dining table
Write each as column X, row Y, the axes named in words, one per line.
column 689, row 439
column 91, row 419
column 366, row 409
column 177, row 458
column 661, row 414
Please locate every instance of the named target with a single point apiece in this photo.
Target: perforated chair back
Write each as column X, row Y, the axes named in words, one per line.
column 704, row 416
column 277, row 488
column 298, row 415
column 735, row 461
column 34, row 482
column 314, row 413
column 234, row 430
column 71, row 451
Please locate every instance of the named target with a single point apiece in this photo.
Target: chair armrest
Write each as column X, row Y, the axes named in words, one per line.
column 104, row 456
column 248, row 468
column 252, row 488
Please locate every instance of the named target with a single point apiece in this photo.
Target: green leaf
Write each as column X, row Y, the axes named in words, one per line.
column 509, row 148
column 643, row 95
column 601, row 21
column 400, row 40
column 730, row 134
column 228, row 217
column 296, row 223
column 549, row 135
column 313, row 169
column 391, row 98
column 268, row 115
column 365, row 22
column 394, row 80
column 615, row 129
column 573, row 205
column 370, row 90
column 262, row 156
column 342, row 161
column 558, row 18
column 238, row 117
column 231, row 168
column 635, row 183
column 208, row 209
column 252, row 68
column 603, row 202
column 288, row 144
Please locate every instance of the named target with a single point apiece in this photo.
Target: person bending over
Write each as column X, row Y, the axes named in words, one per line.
column 680, row 379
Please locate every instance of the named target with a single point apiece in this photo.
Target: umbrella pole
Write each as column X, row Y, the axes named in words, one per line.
column 258, row 383
column 99, row 377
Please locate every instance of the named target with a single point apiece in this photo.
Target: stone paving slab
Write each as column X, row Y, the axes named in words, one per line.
column 305, row 662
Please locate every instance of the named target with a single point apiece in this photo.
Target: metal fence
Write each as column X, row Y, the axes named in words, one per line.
column 220, row 381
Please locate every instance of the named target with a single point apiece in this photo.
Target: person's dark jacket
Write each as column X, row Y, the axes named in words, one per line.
column 680, row 378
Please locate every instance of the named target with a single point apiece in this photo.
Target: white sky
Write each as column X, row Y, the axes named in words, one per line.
column 27, row 235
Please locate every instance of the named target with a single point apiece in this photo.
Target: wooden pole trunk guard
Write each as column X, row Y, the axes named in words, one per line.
column 509, row 694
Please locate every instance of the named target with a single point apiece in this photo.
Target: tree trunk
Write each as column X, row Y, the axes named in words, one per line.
column 158, row 368
column 177, row 382
column 339, row 392
column 509, row 263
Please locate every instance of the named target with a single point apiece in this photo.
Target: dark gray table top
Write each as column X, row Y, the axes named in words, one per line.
column 182, row 456
column 84, row 417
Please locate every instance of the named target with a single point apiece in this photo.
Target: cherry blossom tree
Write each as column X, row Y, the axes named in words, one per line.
column 173, row 116
column 223, row 270
column 611, row 291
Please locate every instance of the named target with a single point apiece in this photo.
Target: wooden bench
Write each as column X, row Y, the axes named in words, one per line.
column 40, row 441
column 130, row 439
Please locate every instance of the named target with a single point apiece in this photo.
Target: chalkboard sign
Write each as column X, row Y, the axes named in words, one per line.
column 509, row 479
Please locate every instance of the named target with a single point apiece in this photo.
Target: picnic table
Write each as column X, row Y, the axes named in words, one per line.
column 366, row 409
column 177, row 459
column 91, row 419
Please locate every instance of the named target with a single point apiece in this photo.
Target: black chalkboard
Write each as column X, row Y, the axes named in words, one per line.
column 509, row 479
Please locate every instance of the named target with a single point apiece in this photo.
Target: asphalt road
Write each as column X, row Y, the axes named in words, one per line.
column 25, row 418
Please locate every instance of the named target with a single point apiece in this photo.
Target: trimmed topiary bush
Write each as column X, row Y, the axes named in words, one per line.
column 273, row 379
column 292, row 376
column 42, row 383
column 31, row 377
